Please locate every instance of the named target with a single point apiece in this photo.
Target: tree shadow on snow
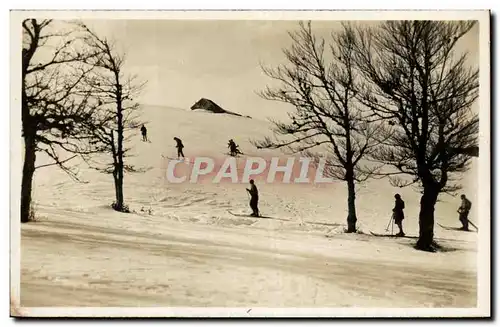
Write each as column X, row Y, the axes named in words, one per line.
column 437, row 247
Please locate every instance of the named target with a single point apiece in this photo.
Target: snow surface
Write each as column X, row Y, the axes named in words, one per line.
column 190, row 252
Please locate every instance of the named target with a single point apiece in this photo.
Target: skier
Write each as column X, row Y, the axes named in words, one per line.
column 144, row 133
column 254, row 198
column 398, row 213
column 233, row 148
column 179, row 147
column 463, row 212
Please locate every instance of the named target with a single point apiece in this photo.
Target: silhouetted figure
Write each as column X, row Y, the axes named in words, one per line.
column 179, row 147
column 463, row 212
column 254, row 198
column 398, row 213
column 231, row 145
column 233, row 148
column 144, row 133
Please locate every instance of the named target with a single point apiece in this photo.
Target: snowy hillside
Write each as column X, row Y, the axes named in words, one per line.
column 182, row 247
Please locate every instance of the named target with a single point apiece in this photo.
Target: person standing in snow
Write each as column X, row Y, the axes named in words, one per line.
column 398, row 213
column 254, row 198
column 463, row 212
column 179, row 147
column 144, row 133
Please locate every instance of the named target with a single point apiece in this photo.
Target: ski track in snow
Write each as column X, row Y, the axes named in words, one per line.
column 180, row 246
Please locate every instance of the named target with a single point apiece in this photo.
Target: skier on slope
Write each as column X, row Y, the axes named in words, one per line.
column 398, row 213
column 179, row 147
column 144, row 133
column 254, row 198
column 233, row 148
column 463, row 212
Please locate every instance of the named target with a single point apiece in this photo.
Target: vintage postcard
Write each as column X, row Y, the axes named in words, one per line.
column 250, row 164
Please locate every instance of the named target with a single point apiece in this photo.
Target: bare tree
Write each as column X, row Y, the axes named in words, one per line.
column 322, row 85
column 113, row 91
column 425, row 90
column 53, row 111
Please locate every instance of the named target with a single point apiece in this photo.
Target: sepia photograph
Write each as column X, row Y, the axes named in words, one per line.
column 250, row 164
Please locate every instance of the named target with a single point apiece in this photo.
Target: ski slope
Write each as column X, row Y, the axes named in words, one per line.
column 182, row 248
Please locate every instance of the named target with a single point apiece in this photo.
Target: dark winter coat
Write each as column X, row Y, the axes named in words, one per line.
column 179, row 143
column 254, row 193
column 398, row 210
column 466, row 205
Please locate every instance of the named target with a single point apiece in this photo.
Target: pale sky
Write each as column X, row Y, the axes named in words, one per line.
column 185, row 60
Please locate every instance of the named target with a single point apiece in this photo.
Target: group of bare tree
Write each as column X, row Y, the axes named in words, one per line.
column 76, row 102
column 387, row 101
column 392, row 100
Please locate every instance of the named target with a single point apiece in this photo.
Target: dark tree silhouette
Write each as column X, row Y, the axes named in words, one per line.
column 425, row 90
column 322, row 85
column 113, row 91
column 54, row 112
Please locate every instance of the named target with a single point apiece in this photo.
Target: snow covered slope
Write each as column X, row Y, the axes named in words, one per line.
column 181, row 246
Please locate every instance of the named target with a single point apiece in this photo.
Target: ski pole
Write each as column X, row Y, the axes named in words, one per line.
column 470, row 222
column 387, row 228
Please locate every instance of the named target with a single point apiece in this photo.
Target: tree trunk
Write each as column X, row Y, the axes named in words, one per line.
column 351, row 204
column 119, row 205
column 27, row 179
column 29, row 133
column 117, row 177
column 426, row 218
column 119, row 116
column 119, row 190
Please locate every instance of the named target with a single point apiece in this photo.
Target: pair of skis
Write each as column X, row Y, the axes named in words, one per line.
column 442, row 226
column 251, row 216
column 459, row 228
column 185, row 160
column 388, row 235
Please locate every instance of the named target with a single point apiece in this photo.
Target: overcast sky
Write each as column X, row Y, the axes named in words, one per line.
column 185, row 60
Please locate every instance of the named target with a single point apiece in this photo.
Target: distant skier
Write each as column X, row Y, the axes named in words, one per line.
column 398, row 213
column 233, row 148
column 144, row 133
column 463, row 212
column 179, row 147
column 254, row 198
